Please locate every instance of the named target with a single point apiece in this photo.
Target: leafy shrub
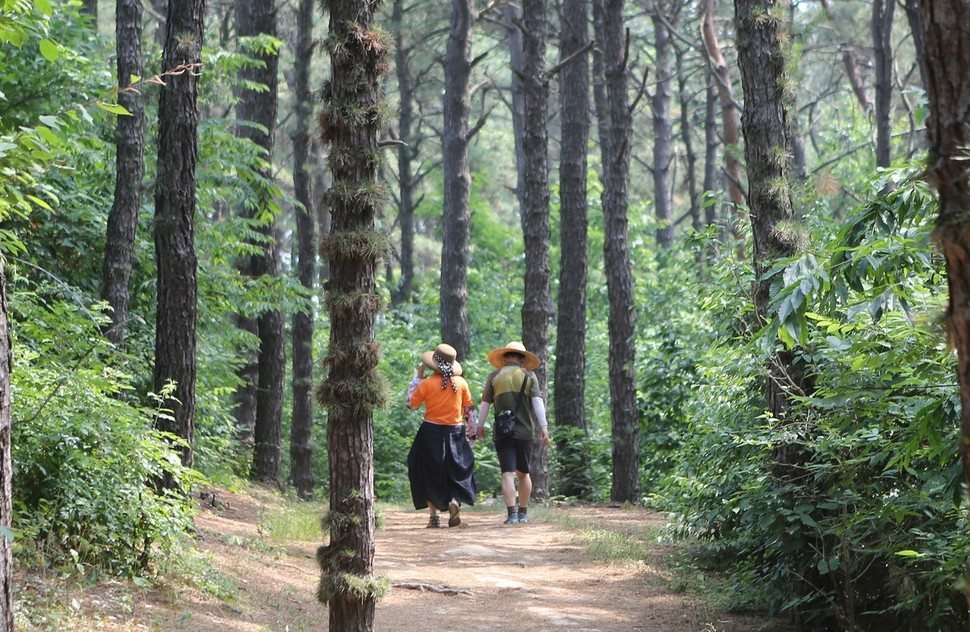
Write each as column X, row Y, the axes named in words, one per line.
column 867, row 529
column 83, row 458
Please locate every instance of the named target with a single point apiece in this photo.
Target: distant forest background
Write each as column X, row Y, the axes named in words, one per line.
column 709, row 219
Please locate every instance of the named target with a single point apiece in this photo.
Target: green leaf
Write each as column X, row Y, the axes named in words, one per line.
column 114, row 108
column 49, row 49
column 909, row 553
column 44, row 7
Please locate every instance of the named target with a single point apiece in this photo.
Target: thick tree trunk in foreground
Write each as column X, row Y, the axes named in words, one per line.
column 353, row 387
column 570, row 370
column 130, row 137
column 301, row 425
column 946, row 33
column 616, row 255
column 6, row 467
column 456, row 223
column 175, row 224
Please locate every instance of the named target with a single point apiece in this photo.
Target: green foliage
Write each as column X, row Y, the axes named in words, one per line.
column 877, row 471
column 83, row 458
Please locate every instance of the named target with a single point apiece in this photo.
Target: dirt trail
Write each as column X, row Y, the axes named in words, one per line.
column 481, row 575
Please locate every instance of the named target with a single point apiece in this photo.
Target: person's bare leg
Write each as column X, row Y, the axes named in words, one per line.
column 508, row 488
column 525, row 489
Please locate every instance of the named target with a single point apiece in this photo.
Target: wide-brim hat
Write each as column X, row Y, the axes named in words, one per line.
column 447, row 353
column 496, row 359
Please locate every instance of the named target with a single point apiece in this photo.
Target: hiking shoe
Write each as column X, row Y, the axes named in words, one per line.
column 523, row 518
column 512, row 519
column 434, row 522
column 453, row 518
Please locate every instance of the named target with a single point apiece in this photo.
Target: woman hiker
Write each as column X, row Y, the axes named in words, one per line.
column 441, row 463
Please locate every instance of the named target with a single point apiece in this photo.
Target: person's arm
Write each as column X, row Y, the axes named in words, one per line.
column 413, row 386
column 539, row 407
column 482, row 416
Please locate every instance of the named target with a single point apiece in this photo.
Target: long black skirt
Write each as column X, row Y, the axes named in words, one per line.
column 441, row 467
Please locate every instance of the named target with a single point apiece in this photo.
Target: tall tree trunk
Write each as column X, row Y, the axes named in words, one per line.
column 686, row 134
column 175, row 226
column 405, row 169
column 6, row 466
column 321, row 184
column 662, row 130
column 456, row 223
column 129, row 138
column 353, row 386
column 946, row 32
column 158, row 12
column 616, row 255
column 729, row 111
column 301, row 425
column 511, row 16
column 915, row 25
column 537, row 302
column 570, row 371
column 254, row 18
column 91, row 8
column 711, row 145
column 882, row 31
column 761, row 27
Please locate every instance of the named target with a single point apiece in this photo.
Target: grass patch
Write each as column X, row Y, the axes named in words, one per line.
column 293, row 523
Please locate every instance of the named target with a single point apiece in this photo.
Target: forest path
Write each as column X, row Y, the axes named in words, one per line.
column 481, row 575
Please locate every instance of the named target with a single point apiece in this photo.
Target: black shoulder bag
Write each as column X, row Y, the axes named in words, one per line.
column 505, row 419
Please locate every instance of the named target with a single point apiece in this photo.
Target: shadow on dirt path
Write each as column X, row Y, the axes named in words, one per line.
column 481, row 575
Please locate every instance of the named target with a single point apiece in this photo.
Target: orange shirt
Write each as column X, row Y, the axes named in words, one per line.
column 443, row 405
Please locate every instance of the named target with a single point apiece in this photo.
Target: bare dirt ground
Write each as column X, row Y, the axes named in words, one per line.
column 481, row 575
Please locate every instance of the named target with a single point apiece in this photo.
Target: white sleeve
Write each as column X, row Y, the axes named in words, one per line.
column 412, row 386
column 483, row 414
column 539, row 407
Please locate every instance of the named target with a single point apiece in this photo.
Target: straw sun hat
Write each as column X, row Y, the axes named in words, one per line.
column 442, row 353
column 496, row 359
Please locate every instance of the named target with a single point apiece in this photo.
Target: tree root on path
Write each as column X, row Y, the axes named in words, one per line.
column 448, row 590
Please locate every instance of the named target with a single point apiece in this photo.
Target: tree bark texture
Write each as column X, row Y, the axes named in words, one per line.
column 570, row 369
column 456, row 223
column 616, row 256
column 882, row 31
column 946, row 33
column 352, row 119
column 761, row 27
column 662, row 130
column 536, row 231
column 6, row 467
column 129, row 159
column 175, row 224
column 301, row 425
column 253, row 18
